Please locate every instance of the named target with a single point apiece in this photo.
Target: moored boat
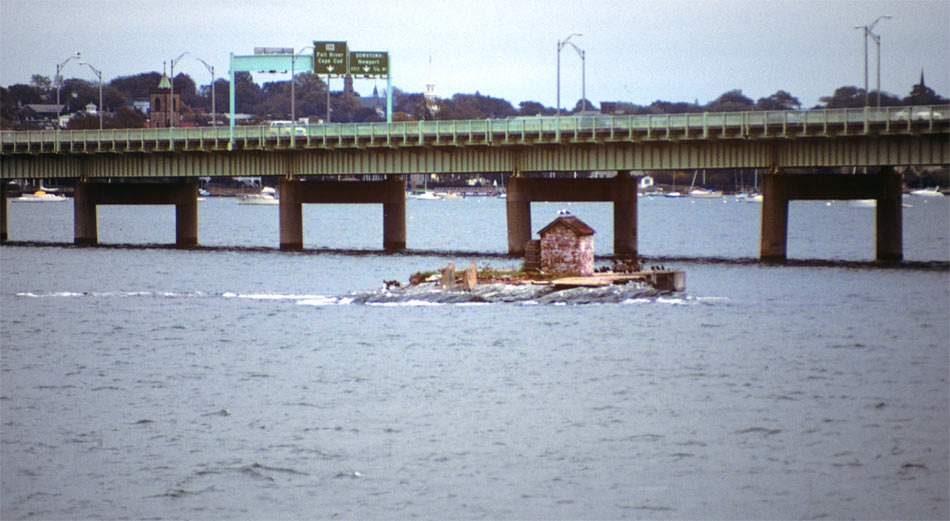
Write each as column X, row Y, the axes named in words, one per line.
column 39, row 196
column 267, row 195
column 927, row 192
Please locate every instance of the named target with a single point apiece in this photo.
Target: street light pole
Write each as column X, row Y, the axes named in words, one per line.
column 98, row 73
column 293, row 78
column 877, row 40
column 171, row 117
column 560, row 45
column 214, row 119
column 868, row 31
column 59, row 83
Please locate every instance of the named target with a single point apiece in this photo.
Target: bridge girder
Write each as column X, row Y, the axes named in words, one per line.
column 921, row 150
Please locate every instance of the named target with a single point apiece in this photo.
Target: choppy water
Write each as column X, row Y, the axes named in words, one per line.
column 248, row 383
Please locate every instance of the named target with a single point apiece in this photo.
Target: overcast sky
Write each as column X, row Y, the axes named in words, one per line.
column 636, row 51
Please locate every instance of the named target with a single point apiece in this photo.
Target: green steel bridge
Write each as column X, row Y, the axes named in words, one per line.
column 891, row 136
column 774, row 140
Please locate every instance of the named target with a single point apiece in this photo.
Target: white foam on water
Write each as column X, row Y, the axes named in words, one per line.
column 317, row 300
column 408, row 303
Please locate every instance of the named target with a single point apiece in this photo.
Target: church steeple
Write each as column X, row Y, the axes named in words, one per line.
column 164, row 109
column 922, row 77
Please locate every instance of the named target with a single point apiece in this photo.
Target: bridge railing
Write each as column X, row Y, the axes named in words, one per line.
column 487, row 130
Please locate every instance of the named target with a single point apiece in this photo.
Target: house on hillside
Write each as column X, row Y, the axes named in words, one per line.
column 40, row 114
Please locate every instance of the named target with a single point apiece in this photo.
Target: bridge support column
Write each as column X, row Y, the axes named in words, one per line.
column 779, row 189
column 774, row 220
column 518, row 210
column 186, row 215
column 85, row 226
column 3, row 213
column 87, row 196
column 889, row 219
column 291, row 215
column 625, row 215
column 394, row 214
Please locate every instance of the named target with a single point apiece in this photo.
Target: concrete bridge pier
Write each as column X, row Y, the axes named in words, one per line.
column 394, row 214
column 87, row 196
column 390, row 193
column 884, row 188
column 291, row 215
column 3, row 213
column 772, row 245
column 621, row 191
column 518, row 212
column 625, row 215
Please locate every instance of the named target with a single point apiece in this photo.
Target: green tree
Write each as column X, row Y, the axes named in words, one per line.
column 843, row 98
column 533, row 108
column 921, row 94
column 43, row 83
column 83, row 122
column 126, row 117
column 582, row 105
column 731, row 101
column 668, row 107
column 247, row 94
column 138, row 86
column 781, row 100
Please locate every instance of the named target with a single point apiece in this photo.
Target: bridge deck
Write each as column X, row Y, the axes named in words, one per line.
column 492, row 133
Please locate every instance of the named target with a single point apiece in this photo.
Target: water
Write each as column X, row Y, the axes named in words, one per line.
column 238, row 383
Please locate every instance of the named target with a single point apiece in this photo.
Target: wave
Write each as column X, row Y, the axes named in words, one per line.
column 426, row 295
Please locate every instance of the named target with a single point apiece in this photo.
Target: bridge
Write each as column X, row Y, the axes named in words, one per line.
column 773, row 140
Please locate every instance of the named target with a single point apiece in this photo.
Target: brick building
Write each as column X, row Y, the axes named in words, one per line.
column 164, row 110
column 567, row 246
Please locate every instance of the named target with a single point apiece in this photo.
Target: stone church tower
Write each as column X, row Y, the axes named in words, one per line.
column 164, row 110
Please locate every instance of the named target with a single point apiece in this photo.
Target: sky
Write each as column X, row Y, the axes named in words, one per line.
column 636, row 51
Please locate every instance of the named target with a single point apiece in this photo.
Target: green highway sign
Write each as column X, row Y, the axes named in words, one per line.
column 330, row 58
column 368, row 64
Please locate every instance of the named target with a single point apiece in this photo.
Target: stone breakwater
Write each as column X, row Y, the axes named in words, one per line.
column 535, row 293
column 472, row 286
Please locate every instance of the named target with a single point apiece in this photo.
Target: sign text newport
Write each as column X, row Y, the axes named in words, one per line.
column 330, row 58
column 369, row 64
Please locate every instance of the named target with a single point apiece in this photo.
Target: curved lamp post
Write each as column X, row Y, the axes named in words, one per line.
column 59, row 83
column 171, row 118
column 99, row 75
column 214, row 119
column 868, row 31
column 580, row 52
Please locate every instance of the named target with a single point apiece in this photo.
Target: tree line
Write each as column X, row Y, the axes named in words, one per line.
column 271, row 101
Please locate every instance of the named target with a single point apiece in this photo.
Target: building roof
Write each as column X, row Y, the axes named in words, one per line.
column 576, row 225
column 164, row 83
column 41, row 108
